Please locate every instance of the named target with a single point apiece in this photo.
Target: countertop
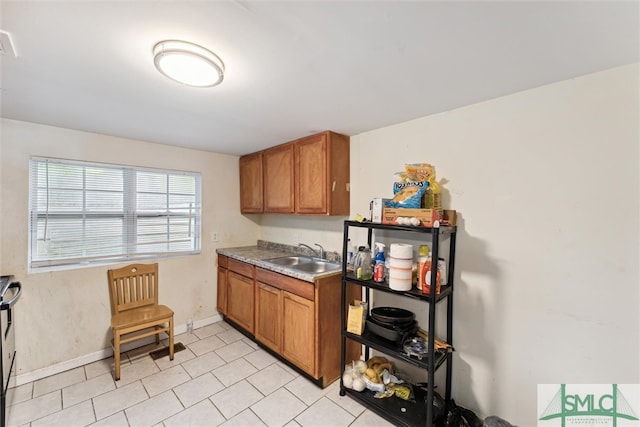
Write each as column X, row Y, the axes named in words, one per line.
column 257, row 254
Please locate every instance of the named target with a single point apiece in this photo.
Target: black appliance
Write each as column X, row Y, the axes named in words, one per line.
column 9, row 293
column 391, row 323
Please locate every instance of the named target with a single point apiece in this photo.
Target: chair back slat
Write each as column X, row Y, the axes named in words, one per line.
column 133, row 286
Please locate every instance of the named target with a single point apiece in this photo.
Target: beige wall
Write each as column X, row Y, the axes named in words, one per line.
column 546, row 183
column 64, row 315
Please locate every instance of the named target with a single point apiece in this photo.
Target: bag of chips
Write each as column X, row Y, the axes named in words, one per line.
column 408, row 194
column 420, row 172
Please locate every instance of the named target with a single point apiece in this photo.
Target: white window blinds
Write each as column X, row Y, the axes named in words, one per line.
column 88, row 213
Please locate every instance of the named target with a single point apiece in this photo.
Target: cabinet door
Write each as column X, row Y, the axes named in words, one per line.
column 311, row 175
column 278, row 179
column 298, row 336
column 251, row 183
column 222, row 291
column 268, row 316
column 240, row 300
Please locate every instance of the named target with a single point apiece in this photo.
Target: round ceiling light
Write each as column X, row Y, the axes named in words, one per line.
column 188, row 63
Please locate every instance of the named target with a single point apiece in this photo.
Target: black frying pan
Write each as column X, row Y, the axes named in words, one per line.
column 392, row 315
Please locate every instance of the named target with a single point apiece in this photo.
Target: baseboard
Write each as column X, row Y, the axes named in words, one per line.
column 38, row 374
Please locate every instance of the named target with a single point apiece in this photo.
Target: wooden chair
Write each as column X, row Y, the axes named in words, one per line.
column 134, row 308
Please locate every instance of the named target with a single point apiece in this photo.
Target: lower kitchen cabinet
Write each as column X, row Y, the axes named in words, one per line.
column 299, row 332
column 240, row 294
column 298, row 321
column 285, row 323
column 268, row 328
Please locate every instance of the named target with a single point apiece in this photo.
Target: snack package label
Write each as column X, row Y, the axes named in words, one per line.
column 408, row 194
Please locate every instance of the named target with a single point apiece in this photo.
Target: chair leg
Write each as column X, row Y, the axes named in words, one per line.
column 158, row 338
column 171, row 338
column 116, row 354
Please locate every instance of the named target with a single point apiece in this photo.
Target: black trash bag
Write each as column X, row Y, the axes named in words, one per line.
column 458, row 416
column 439, row 407
column 494, row 421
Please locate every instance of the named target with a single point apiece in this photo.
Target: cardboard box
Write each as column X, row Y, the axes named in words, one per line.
column 426, row 216
column 449, row 217
column 356, row 316
column 377, row 206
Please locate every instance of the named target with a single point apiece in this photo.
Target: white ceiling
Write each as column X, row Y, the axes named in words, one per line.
column 293, row 68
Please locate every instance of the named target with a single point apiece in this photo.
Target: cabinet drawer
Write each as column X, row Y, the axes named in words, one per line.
column 241, row 267
column 289, row 284
column 222, row 261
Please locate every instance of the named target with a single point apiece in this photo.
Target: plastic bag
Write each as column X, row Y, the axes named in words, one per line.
column 408, row 194
column 418, row 172
column 462, row 417
column 493, row 421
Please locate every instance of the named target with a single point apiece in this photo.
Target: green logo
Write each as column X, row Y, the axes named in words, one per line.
column 585, row 406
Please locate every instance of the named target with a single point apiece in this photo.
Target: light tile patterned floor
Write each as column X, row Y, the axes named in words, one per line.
column 221, row 379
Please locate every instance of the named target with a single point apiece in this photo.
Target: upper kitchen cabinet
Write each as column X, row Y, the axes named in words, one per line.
column 278, row 179
column 322, row 174
column 251, row 183
column 308, row 176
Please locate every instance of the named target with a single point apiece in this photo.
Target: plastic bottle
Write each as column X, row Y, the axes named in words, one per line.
column 357, row 254
column 363, row 266
column 442, row 269
column 425, row 273
column 423, row 255
column 380, row 252
column 355, row 250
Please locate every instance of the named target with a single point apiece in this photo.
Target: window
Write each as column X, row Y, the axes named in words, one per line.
column 83, row 213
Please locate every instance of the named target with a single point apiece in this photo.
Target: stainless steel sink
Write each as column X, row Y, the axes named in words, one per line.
column 305, row 264
column 289, row 260
column 317, row 267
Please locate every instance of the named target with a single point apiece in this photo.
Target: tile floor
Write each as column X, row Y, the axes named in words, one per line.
column 222, row 378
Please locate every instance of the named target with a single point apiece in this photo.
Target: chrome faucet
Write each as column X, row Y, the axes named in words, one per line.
column 315, row 252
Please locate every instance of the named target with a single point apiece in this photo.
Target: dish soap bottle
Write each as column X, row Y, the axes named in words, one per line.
column 426, row 273
column 423, row 256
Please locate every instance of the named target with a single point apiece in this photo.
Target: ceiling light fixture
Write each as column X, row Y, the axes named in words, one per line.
column 188, row 63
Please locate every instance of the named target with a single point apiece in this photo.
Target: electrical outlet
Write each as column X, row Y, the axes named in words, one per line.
column 215, row 236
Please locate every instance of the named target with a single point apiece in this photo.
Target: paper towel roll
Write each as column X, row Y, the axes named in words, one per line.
column 401, row 273
column 399, row 284
column 401, row 250
column 400, row 263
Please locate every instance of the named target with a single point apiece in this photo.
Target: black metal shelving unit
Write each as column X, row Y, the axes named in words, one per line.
column 397, row 411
